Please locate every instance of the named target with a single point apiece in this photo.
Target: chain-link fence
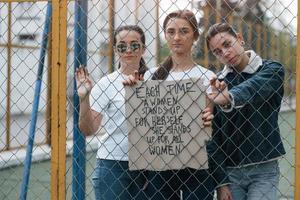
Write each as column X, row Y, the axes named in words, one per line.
column 29, row 103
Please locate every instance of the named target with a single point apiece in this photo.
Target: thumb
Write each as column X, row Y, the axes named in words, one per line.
column 136, row 75
column 141, row 78
column 223, row 85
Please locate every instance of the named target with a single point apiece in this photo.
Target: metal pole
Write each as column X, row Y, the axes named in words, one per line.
column 297, row 137
column 8, row 89
column 111, row 26
column 80, row 55
column 158, row 58
column 37, row 92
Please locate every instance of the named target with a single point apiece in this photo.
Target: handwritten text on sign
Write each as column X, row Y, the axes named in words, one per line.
column 165, row 126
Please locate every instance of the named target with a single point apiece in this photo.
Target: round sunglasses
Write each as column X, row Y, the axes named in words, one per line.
column 134, row 47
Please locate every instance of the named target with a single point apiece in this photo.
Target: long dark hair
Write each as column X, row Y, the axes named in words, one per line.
column 219, row 28
column 143, row 68
column 164, row 68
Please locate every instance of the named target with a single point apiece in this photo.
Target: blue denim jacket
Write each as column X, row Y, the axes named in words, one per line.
column 249, row 133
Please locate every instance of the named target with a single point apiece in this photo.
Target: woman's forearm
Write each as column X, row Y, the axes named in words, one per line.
column 89, row 120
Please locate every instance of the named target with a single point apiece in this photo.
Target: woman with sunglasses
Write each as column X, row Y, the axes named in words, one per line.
column 181, row 31
column 104, row 104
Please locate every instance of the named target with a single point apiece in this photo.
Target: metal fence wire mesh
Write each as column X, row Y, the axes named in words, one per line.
column 161, row 131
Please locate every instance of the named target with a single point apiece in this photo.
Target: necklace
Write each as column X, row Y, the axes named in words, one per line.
column 183, row 69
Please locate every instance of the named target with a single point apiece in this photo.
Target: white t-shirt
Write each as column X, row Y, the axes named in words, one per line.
column 108, row 98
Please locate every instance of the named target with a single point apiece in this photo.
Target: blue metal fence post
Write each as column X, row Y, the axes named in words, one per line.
column 37, row 92
column 80, row 57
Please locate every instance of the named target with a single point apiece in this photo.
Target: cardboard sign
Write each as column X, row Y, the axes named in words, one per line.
column 165, row 125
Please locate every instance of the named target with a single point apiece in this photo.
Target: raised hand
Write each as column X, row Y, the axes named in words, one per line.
column 219, row 94
column 83, row 82
column 132, row 80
